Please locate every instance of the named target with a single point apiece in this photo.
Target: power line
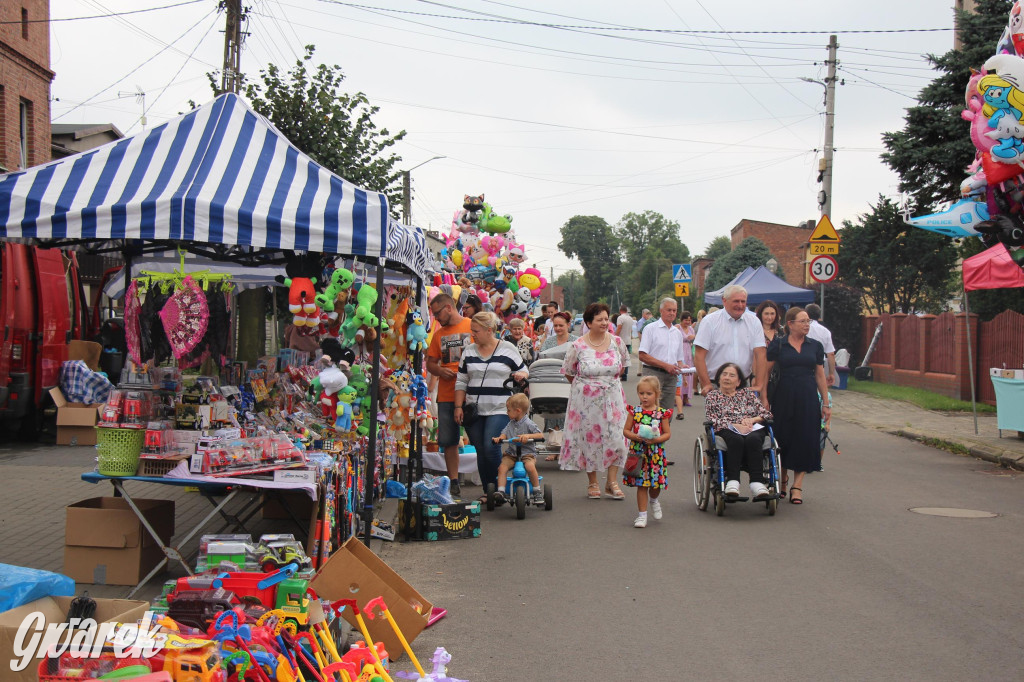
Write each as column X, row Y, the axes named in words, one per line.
column 157, row 54
column 509, row 20
column 102, row 16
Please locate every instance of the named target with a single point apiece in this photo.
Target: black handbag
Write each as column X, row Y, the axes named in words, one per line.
column 470, row 413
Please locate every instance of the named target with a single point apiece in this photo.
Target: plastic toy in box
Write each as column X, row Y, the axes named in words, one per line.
column 231, row 552
column 275, row 551
column 137, row 409
column 110, row 415
column 166, row 379
column 290, row 357
column 159, row 439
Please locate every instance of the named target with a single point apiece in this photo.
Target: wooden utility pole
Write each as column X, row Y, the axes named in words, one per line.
column 231, row 73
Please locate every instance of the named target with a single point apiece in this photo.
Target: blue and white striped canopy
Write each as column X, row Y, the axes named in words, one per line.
column 219, row 174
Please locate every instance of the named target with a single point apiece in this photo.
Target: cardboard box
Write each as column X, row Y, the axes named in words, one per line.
column 55, row 610
column 87, row 351
column 105, row 543
column 451, row 521
column 354, row 572
column 76, row 423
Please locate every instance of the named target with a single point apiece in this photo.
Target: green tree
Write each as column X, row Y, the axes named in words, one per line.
column 573, row 285
column 934, row 147
column 719, row 246
column 650, row 245
column 591, row 240
column 841, row 314
column 899, row 267
column 334, row 128
column 751, row 252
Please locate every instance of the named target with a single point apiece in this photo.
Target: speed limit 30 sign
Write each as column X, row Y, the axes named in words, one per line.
column 823, row 269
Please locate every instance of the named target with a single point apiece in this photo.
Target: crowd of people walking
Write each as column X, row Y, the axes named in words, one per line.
column 751, row 367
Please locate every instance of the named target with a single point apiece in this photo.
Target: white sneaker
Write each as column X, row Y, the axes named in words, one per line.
column 759, row 491
column 732, row 488
column 656, row 509
column 641, row 521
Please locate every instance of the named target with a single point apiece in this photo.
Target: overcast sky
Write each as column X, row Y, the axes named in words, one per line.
column 694, row 109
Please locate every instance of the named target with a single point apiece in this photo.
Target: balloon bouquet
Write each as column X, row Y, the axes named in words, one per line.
column 992, row 197
column 482, row 257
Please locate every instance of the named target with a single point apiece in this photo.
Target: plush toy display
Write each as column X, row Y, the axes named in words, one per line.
column 302, row 271
column 417, row 334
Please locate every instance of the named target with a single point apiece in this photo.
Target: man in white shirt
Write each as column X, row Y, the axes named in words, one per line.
column 822, row 335
column 624, row 328
column 661, row 352
column 732, row 334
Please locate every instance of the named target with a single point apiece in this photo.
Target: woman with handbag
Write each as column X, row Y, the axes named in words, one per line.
column 480, row 394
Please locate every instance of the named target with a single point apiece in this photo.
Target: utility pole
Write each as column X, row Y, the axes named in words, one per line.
column 231, row 73
column 407, row 197
column 825, row 195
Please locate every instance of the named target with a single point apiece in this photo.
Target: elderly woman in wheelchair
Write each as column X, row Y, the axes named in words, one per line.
column 738, row 418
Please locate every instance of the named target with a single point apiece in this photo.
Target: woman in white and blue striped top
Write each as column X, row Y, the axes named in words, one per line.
column 485, row 366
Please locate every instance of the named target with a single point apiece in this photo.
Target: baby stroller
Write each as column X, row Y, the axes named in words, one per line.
column 549, row 390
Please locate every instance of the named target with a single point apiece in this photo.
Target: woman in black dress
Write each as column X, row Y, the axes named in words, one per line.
column 798, row 412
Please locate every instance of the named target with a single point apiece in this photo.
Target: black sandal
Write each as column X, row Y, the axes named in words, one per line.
column 795, row 500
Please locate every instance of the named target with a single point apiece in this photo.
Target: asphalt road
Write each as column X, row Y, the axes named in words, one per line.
column 849, row 586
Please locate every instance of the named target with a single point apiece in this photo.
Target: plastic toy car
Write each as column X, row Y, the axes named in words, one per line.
column 518, row 489
column 274, row 552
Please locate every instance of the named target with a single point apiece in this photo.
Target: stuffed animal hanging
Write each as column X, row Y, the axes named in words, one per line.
column 302, row 271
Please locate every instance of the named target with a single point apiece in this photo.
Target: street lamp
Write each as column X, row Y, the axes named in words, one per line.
column 772, row 265
column 407, row 189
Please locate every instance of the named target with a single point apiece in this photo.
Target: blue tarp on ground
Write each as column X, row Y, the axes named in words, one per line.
column 762, row 285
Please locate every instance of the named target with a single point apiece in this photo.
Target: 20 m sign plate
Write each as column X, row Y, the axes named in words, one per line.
column 823, row 269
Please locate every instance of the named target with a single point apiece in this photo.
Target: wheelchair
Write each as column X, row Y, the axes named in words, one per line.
column 709, row 471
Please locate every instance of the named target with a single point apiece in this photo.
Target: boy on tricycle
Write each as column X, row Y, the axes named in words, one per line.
column 524, row 433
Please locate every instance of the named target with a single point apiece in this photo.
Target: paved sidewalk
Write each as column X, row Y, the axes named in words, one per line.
column 949, row 428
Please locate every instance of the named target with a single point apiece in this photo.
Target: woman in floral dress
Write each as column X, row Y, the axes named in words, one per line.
column 593, row 439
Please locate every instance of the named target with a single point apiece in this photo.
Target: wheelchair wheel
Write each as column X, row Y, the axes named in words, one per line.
column 773, row 506
column 549, row 497
column 520, row 497
column 490, row 497
column 719, row 503
column 698, row 471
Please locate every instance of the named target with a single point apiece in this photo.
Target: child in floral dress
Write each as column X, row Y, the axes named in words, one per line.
column 648, row 425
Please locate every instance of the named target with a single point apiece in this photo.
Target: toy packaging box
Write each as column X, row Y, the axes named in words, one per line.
column 55, row 611
column 433, row 522
column 105, row 544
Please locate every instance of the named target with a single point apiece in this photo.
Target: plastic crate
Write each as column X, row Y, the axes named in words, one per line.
column 158, row 467
column 118, row 450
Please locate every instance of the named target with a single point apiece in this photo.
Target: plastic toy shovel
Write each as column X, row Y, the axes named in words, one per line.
column 379, row 602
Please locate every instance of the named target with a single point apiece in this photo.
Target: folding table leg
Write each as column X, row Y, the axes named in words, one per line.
column 236, row 520
column 169, row 552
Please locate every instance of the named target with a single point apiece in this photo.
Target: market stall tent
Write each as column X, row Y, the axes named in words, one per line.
column 762, row 285
column 220, row 174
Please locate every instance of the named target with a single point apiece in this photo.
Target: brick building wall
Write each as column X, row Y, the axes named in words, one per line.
column 25, row 78
column 699, row 272
column 786, row 243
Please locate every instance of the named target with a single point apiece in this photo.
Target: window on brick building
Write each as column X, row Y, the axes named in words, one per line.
column 24, row 117
column 24, row 23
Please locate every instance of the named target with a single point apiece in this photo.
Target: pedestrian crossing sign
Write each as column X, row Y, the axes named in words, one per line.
column 681, row 273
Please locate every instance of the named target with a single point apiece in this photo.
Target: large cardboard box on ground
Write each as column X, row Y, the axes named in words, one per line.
column 354, row 572
column 55, row 610
column 76, row 423
column 105, row 543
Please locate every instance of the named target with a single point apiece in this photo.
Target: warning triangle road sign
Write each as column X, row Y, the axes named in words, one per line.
column 824, row 232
